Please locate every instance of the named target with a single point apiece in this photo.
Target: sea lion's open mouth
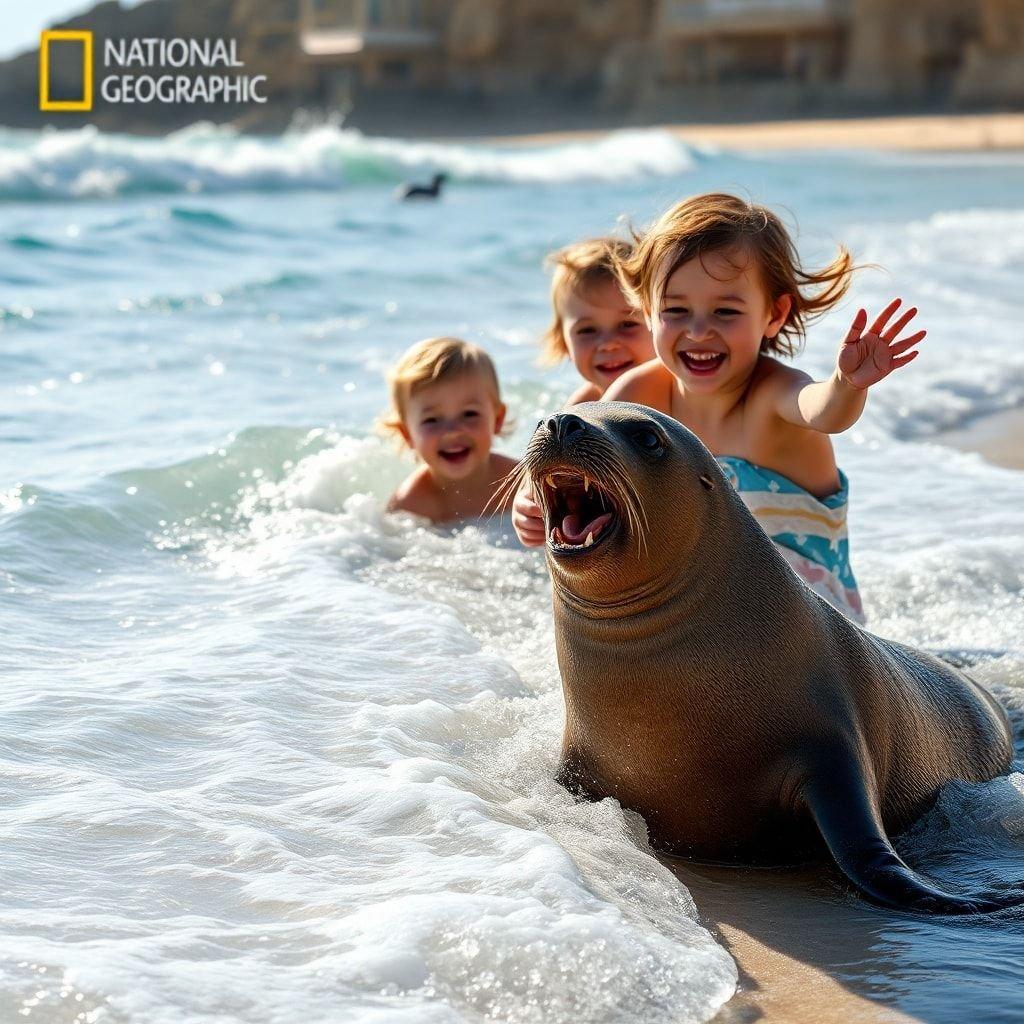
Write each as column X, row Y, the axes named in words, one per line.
column 579, row 512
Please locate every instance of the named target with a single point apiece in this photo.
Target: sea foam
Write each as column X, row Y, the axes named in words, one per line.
column 87, row 163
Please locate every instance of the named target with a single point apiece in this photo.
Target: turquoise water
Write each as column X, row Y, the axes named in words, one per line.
column 269, row 754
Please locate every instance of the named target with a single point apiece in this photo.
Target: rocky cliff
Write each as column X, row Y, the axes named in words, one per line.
column 537, row 64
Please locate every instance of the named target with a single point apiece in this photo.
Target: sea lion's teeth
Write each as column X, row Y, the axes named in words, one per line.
column 551, row 538
column 589, row 540
column 586, row 484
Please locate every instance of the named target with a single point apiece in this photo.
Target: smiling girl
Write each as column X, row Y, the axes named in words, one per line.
column 721, row 285
column 595, row 326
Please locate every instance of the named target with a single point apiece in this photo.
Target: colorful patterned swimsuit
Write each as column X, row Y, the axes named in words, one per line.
column 810, row 532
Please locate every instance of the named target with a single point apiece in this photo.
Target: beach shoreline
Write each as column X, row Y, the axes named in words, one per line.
column 807, row 952
column 998, row 438
column 990, row 132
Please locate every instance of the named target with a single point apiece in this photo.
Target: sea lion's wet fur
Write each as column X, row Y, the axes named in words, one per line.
column 709, row 689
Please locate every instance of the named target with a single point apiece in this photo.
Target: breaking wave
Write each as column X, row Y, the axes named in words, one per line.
column 87, row 163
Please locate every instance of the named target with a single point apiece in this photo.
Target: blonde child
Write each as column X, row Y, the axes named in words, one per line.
column 446, row 406
column 720, row 282
column 595, row 326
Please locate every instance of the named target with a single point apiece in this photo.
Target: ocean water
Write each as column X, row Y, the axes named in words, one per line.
column 267, row 754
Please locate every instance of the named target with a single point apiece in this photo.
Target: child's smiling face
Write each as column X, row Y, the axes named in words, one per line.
column 711, row 319
column 451, row 424
column 605, row 336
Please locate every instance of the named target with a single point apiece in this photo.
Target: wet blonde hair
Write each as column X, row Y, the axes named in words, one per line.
column 717, row 222
column 578, row 268
column 428, row 362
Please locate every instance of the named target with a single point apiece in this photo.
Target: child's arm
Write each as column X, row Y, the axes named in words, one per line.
column 414, row 495
column 831, row 406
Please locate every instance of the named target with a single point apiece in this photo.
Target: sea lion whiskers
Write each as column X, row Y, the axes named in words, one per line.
column 509, row 484
column 628, row 499
column 631, row 501
column 588, row 473
column 616, row 480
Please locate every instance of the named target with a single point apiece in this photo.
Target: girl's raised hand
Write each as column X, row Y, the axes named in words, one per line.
column 866, row 358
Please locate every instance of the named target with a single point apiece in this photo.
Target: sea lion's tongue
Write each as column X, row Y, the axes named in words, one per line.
column 574, row 533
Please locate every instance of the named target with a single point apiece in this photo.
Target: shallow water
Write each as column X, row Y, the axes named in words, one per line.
column 267, row 754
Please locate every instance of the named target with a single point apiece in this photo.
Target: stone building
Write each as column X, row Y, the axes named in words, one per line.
column 711, row 41
column 992, row 71
column 471, row 48
column 407, row 65
column 909, row 54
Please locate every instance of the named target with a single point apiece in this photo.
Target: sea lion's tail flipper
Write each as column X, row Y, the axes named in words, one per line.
column 838, row 799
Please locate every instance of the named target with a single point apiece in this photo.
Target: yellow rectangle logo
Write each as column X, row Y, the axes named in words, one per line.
column 45, row 38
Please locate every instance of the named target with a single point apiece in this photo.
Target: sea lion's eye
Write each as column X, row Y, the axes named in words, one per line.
column 648, row 441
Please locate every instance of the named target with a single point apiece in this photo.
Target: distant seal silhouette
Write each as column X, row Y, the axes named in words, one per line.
column 709, row 689
column 431, row 191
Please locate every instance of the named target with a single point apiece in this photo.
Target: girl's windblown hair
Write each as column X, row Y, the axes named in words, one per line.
column 722, row 223
column 577, row 268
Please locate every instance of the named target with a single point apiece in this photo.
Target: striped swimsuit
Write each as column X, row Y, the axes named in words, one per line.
column 810, row 532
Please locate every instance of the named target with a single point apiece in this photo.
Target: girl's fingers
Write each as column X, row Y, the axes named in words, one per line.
column 529, row 539
column 525, row 505
column 527, row 527
column 857, row 327
column 879, row 325
column 902, row 346
column 528, row 519
column 903, row 360
column 894, row 330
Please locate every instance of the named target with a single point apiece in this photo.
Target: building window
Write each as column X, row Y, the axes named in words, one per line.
column 395, row 71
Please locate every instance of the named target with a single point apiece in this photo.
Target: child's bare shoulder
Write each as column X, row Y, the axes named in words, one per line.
column 584, row 393
column 649, row 384
column 416, row 494
column 503, row 464
column 771, row 381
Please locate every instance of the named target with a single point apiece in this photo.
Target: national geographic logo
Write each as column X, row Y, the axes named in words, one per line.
column 84, row 39
column 127, row 65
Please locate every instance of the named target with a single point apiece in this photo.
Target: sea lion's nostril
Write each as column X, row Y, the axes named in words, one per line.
column 565, row 426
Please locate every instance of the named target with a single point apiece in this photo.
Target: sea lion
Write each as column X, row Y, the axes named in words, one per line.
column 709, row 689
column 431, row 191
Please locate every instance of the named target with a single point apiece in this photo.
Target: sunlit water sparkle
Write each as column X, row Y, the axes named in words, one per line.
column 270, row 755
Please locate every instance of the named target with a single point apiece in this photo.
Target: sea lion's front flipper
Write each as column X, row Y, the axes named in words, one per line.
column 838, row 798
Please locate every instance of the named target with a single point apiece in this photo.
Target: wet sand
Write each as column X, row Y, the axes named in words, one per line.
column 805, row 951
column 999, row 438
column 933, row 133
column 810, row 951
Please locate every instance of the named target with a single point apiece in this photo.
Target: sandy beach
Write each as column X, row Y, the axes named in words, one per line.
column 806, row 953
column 927, row 133
column 999, row 438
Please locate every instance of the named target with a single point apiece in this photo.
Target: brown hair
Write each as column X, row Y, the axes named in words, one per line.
column 430, row 361
column 578, row 267
column 719, row 222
